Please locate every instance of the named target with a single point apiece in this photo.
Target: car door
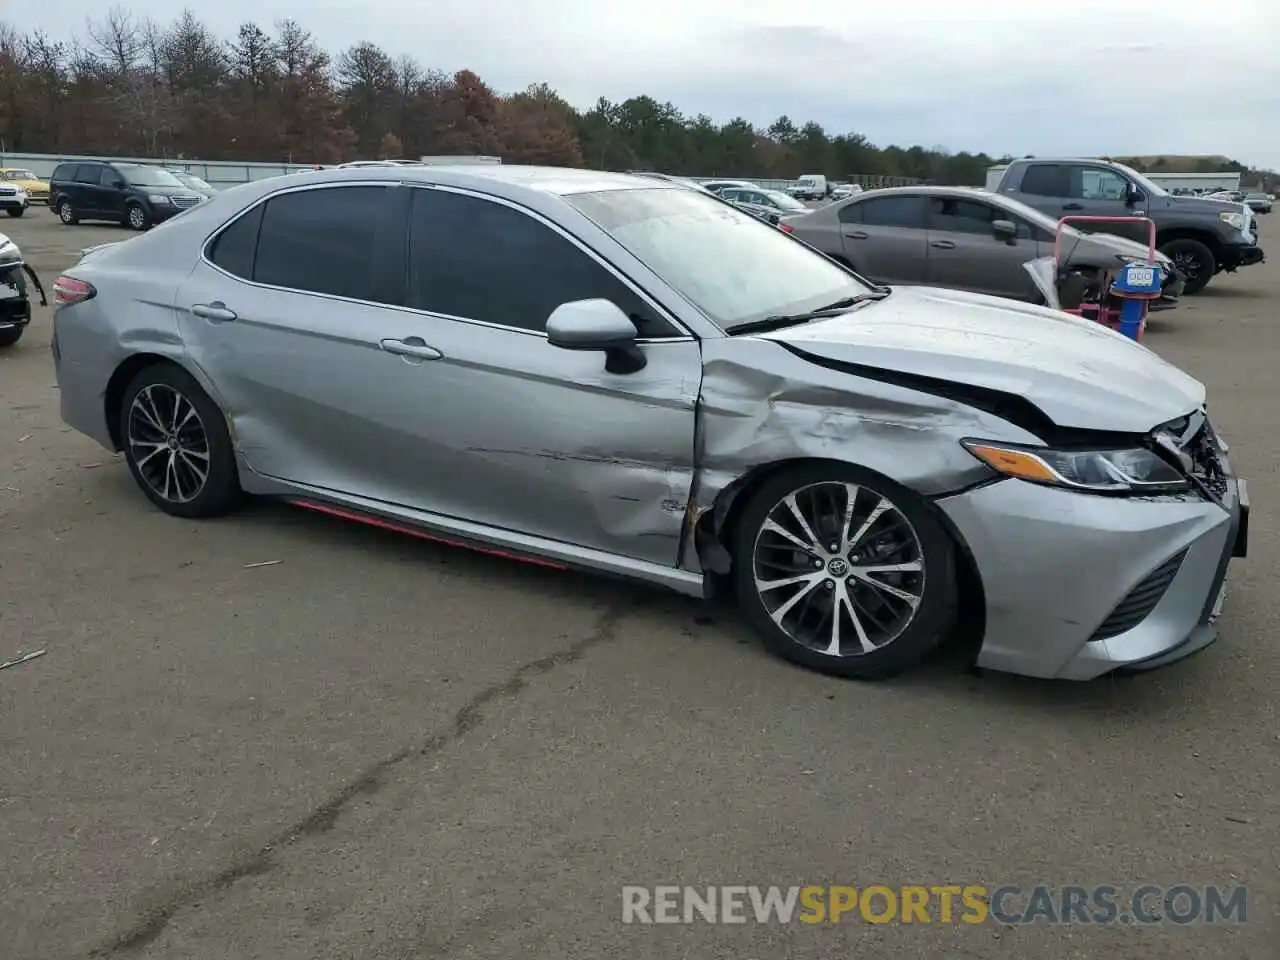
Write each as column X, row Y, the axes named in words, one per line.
column 885, row 238
column 541, row 439
column 87, row 193
column 965, row 254
column 112, row 194
column 285, row 314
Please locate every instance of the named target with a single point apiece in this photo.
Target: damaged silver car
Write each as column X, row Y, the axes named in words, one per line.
column 611, row 373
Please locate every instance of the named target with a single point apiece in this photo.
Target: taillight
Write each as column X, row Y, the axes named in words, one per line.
column 786, row 228
column 69, row 290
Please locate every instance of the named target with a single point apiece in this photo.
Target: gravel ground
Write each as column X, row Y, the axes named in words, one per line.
column 378, row 748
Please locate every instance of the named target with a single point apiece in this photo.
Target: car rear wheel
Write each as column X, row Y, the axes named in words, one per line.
column 135, row 217
column 177, row 444
column 1194, row 261
column 66, row 214
column 843, row 571
column 10, row 336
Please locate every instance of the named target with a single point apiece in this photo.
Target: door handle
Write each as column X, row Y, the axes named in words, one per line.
column 1073, row 206
column 216, row 311
column 856, row 235
column 412, row 347
column 943, row 244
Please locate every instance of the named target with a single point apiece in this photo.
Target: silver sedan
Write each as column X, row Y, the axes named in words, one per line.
column 610, row 373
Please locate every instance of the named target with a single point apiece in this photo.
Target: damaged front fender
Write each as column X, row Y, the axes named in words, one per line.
column 762, row 407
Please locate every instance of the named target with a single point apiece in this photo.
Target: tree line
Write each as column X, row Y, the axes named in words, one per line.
column 132, row 87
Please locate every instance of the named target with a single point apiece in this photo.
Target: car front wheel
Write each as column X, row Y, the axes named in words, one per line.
column 17, row 211
column 136, row 217
column 1194, row 261
column 66, row 214
column 844, row 571
column 177, row 444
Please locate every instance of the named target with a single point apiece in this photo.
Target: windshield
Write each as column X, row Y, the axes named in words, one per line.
column 785, row 201
column 193, row 181
column 19, row 175
column 730, row 265
column 149, row 177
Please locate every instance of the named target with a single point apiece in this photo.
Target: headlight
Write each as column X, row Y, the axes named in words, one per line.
column 1138, row 471
column 1233, row 220
column 161, row 200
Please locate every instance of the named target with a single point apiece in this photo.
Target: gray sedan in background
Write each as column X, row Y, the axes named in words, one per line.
column 957, row 237
column 619, row 374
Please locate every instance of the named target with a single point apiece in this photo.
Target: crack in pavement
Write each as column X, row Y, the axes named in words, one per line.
column 153, row 921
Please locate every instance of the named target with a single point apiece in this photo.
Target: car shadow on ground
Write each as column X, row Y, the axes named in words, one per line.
column 948, row 675
column 1219, row 290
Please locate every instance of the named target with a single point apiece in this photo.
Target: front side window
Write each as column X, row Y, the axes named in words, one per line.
column 956, row 215
column 730, row 265
column 1099, row 184
column 481, row 260
column 323, row 241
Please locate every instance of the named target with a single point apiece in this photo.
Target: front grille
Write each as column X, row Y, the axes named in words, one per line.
column 185, row 202
column 1141, row 600
column 8, row 192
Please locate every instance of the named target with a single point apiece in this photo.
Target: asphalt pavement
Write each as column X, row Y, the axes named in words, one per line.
column 374, row 747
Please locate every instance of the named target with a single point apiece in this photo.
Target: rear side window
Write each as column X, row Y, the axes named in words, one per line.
column 89, row 173
column 893, row 212
column 323, row 241
column 1047, row 180
column 851, row 213
column 481, row 260
column 235, row 249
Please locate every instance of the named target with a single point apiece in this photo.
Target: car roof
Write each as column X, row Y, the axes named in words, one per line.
column 560, row 181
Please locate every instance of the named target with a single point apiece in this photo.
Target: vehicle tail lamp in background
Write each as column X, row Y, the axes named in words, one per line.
column 69, row 290
column 786, row 228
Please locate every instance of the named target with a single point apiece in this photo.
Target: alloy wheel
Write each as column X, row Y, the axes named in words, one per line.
column 137, row 219
column 839, row 568
column 65, row 212
column 168, row 443
column 1188, row 265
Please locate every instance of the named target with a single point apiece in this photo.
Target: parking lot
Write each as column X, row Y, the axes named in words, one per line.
column 280, row 736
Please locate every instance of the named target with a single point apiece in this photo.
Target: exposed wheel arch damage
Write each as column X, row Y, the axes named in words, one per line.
column 807, row 414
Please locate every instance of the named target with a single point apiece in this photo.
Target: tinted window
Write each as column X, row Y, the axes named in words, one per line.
column 954, row 215
column 851, row 213
column 63, row 171
column 235, row 248
column 1099, row 184
column 1047, row 180
column 892, row 212
column 89, row 173
column 323, row 241
column 484, row 261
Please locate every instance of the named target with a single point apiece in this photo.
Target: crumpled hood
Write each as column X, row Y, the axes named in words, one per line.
column 1080, row 374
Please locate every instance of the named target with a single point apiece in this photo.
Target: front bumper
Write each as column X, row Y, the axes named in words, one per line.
column 1078, row 586
column 1235, row 256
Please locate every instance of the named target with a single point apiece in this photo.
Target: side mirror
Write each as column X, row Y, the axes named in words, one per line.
column 1006, row 231
column 1133, row 194
column 597, row 325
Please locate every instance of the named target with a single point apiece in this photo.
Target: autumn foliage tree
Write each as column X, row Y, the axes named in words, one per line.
column 128, row 86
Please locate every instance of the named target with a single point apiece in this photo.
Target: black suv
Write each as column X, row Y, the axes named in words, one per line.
column 134, row 194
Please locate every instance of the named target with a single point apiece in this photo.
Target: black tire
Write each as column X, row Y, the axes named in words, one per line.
column 17, row 211
column 10, row 336
column 220, row 489
column 1194, row 261
column 924, row 535
column 67, row 213
column 135, row 217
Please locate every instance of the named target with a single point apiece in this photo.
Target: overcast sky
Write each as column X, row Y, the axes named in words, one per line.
column 1123, row 77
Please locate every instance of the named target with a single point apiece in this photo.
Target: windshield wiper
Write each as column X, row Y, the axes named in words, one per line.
column 791, row 319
